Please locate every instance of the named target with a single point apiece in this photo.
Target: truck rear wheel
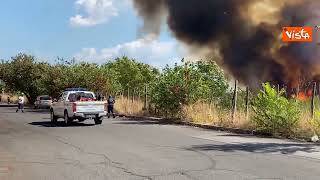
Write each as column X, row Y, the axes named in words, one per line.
column 98, row 120
column 54, row 119
column 67, row 119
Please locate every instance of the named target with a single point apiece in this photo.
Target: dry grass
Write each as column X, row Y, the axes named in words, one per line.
column 127, row 106
column 13, row 98
column 306, row 126
column 208, row 114
column 202, row 113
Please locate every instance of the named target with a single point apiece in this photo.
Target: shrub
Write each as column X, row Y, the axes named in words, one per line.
column 315, row 123
column 186, row 84
column 274, row 113
column 169, row 92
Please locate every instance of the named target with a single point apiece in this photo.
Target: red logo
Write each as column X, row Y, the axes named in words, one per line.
column 297, row 34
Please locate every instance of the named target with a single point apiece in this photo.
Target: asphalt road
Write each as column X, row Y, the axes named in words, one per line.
column 32, row 149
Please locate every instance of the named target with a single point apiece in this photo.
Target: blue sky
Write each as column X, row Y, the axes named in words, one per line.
column 91, row 30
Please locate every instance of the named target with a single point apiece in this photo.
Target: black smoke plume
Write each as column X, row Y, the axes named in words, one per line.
column 247, row 34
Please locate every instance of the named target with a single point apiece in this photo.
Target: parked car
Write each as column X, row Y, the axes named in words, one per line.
column 80, row 104
column 43, row 102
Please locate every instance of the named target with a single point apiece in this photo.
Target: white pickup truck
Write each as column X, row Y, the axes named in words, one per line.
column 77, row 104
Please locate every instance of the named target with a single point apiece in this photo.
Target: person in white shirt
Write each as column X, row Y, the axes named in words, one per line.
column 20, row 103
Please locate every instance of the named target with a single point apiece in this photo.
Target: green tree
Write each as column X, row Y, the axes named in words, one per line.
column 274, row 113
column 23, row 74
column 128, row 74
column 168, row 91
column 186, row 84
column 1, row 86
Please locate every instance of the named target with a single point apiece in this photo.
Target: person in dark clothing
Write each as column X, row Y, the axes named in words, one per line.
column 8, row 98
column 99, row 98
column 78, row 97
column 111, row 102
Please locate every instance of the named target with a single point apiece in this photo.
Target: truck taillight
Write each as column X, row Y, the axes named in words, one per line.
column 74, row 107
column 105, row 107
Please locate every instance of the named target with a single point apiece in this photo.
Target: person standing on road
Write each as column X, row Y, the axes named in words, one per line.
column 99, row 97
column 20, row 103
column 111, row 102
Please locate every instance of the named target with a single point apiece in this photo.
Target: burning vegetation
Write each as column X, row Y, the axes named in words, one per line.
column 243, row 36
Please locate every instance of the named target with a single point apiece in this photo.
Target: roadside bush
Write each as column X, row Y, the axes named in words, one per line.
column 315, row 123
column 187, row 84
column 169, row 92
column 274, row 113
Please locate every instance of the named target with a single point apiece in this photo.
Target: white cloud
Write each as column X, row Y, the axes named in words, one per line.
column 147, row 50
column 94, row 12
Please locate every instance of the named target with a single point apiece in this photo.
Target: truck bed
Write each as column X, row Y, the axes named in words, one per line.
column 89, row 107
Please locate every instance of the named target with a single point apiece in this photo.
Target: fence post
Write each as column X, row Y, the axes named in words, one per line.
column 128, row 97
column 139, row 95
column 319, row 91
column 286, row 90
column 312, row 99
column 247, row 102
column 234, row 101
column 146, row 97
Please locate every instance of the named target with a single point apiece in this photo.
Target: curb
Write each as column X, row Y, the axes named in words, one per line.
column 215, row 128
column 8, row 105
column 186, row 123
column 16, row 105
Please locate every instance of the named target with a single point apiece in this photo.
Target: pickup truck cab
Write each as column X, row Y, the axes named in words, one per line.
column 77, row 104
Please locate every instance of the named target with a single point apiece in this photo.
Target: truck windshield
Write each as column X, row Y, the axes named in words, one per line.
column 80, row 96
column 45, row 98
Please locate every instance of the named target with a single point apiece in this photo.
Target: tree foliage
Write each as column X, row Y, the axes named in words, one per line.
column 170, row 89
column 24, row 73
column 128, row 74
column 274, row 113
column 187, row 84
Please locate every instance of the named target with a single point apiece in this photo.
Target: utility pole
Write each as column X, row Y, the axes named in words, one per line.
column 235, row 97
column 312, row 99
column 247, row 102
column 146, row 97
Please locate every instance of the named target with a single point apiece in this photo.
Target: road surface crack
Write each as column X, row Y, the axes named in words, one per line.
column 185, row 173
column 212, row 167
column 107, row 160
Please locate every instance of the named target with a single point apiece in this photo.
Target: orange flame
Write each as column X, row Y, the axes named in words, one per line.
column 309, row 93
column 302, row 96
